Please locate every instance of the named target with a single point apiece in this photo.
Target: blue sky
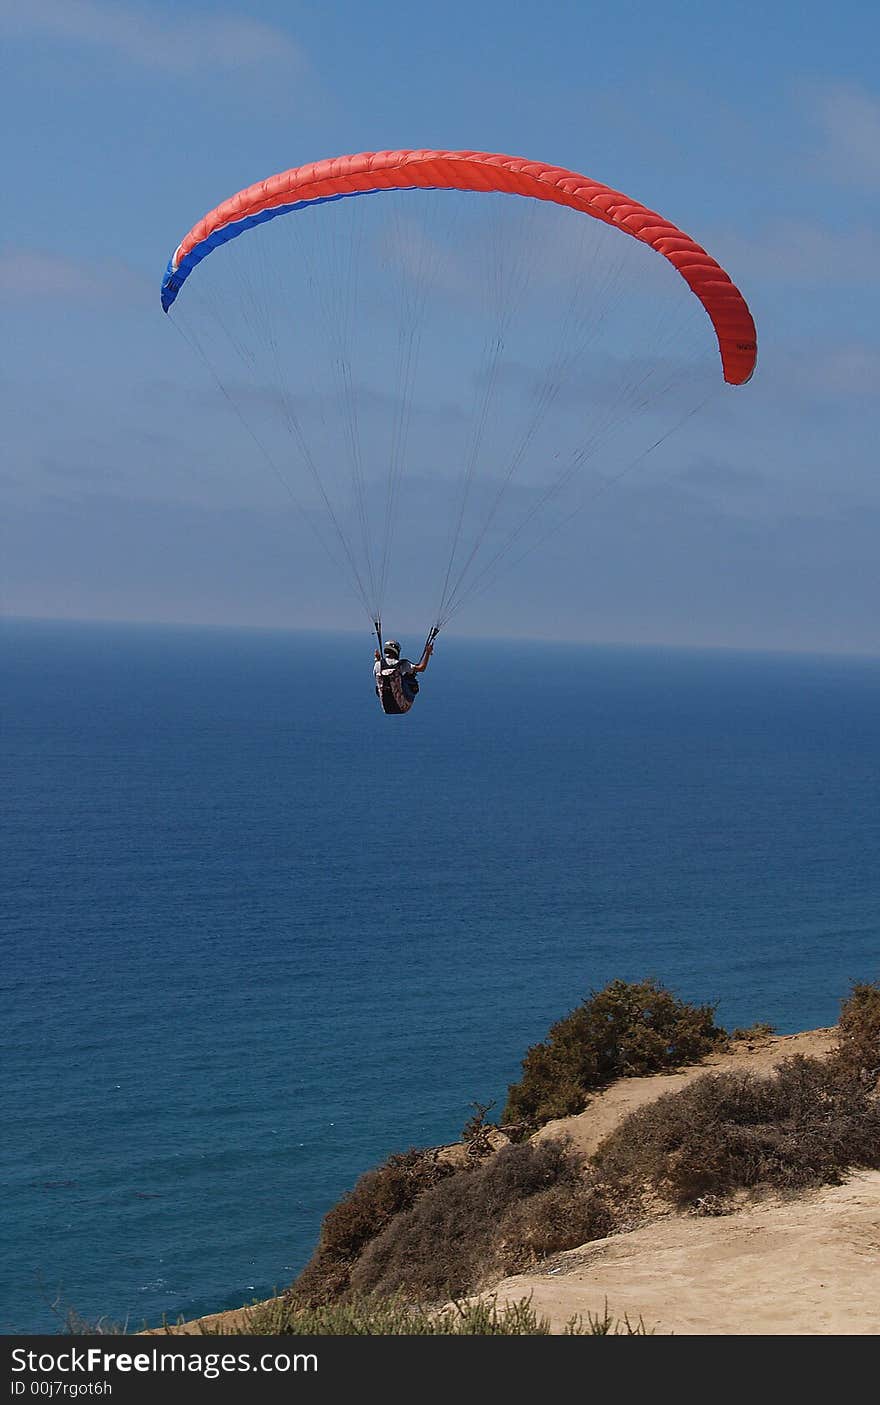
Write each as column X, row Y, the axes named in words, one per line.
column 755, row 127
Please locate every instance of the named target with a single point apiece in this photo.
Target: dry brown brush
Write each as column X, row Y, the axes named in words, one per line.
column 805, row 1124
column 498, row 1217
column 377, row 1198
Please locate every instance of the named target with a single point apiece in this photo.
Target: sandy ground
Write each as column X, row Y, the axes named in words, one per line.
column 801, row 1267
column 810, row 1267
column 235, row 1320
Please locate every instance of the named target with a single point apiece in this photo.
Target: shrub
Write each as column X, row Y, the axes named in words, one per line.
column 494, row 1218
column 393, row 1317
column 77, row 1326
column 378, row 1196
column 551, row 1221
column 623, row 1030
column 858, row 1050
column 476, row 1126
column 804, row 1125
column 759, row 1030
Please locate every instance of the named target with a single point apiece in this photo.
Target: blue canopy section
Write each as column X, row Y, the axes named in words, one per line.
column 176, row 277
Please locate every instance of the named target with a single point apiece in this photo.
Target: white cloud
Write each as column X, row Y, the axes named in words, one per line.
column 798, row 253
column 29, row 273
column 852, row 370
column 170, row 42
column 850, row 142
column 25, row 274
column 847, row 370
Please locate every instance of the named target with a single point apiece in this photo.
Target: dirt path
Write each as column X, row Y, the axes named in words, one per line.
column 607, row 1109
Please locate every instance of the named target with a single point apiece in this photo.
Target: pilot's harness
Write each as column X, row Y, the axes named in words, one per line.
column 389, row 684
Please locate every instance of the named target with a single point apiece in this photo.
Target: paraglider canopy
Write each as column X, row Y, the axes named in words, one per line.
column 498, row 337
column 374, row 171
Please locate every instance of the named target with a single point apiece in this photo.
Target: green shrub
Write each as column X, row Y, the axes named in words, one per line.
column 858, row 1050
column 378, row 1196
column 623, row 1030
column 495, row 1218
column 804, row 1125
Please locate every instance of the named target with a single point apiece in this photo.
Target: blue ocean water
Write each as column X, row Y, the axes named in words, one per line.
column 257, row 935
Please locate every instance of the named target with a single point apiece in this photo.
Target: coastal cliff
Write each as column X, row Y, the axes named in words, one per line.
column 775, row 1262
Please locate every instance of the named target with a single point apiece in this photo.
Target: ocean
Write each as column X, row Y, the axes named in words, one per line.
column 257, row 936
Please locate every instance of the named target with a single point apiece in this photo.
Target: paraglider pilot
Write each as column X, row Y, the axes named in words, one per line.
column 396, row 682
